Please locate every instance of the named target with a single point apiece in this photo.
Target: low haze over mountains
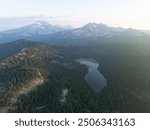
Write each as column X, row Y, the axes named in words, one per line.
column 43, row 31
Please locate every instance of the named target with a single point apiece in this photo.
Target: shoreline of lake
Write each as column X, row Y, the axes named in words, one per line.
column 95, row 79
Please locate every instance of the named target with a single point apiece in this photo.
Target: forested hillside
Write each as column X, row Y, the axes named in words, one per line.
column 45, row 78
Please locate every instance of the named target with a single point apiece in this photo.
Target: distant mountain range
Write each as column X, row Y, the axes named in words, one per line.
column 37, row 28
column 45, row 32
column 93, row 33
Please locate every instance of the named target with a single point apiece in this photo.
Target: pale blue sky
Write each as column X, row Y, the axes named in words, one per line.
column 125, row 13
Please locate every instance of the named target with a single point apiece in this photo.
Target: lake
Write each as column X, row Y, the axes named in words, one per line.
column 94, row 78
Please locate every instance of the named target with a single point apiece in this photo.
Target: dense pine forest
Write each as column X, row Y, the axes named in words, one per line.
column 46, row 78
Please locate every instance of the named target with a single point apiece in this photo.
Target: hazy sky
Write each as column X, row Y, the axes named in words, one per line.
column 125, row 13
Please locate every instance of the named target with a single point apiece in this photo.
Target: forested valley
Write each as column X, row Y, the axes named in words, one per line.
column 46, row 78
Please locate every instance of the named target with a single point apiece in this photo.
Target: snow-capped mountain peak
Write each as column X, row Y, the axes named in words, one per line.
column 94, row 25
column 37, row 28
column 94, row 30
column 40, row 24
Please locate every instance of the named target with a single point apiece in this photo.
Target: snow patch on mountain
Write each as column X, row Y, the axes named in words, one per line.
column 37, row 28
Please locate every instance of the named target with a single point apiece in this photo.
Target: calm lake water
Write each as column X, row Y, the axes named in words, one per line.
column 94, row 78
